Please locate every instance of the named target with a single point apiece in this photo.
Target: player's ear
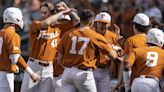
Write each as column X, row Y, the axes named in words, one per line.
column 91, row 23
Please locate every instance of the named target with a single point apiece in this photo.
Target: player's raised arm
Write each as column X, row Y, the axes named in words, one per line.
column 53, row 18
column 74, row 16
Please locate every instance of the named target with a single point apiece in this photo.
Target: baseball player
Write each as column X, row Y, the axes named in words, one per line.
column 65, row 23
column 44, row 36
column 58, row 69
column 77, row 54
column 10, row 58
column 148, row 62
column 156, row 23
column 141, row 24
column 101, row 74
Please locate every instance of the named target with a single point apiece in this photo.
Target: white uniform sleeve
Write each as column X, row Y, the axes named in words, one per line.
column 14, row 58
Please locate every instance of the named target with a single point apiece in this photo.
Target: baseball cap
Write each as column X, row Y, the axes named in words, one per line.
column 103, row 17
column 141, row 19
column 67, row 17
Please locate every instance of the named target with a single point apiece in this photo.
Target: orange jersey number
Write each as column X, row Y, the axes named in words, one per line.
column 80, row 39
column 152, row 58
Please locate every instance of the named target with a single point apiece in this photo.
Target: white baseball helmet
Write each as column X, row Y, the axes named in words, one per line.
column 141, row 19
column 103, row 17
column 155, row 36
column 13, row 15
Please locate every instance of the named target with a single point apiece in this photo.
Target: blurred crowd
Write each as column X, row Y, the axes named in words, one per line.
column 122, row 12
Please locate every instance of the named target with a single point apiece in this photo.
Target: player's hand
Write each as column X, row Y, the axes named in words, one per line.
column 120, row 59
column 117, row 29
column 119, row 50
column 62, row 6
column 35, row 77
column 114, row 88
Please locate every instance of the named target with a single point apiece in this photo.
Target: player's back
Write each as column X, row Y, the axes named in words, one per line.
column 135, row 41
column 80, row 47
column 149, row 61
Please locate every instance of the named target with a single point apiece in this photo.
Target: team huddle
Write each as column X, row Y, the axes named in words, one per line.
column 73, row 53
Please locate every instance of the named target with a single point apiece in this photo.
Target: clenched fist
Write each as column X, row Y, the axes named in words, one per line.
column 35, row 77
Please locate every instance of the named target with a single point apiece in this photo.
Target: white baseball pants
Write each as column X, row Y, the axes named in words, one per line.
column 57, row 84
column 6, row 82
column 46, row 82
column 77, row 80
column 102, row 79
column 162, row 83
column 145, row 85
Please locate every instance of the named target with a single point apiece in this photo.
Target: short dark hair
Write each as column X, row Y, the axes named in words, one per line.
column 141, row 28
column 156, row 23
column 49, row 5
column 151, row 44
column 86, row 16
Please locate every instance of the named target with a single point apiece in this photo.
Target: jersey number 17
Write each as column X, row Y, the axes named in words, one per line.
column 76, row 39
